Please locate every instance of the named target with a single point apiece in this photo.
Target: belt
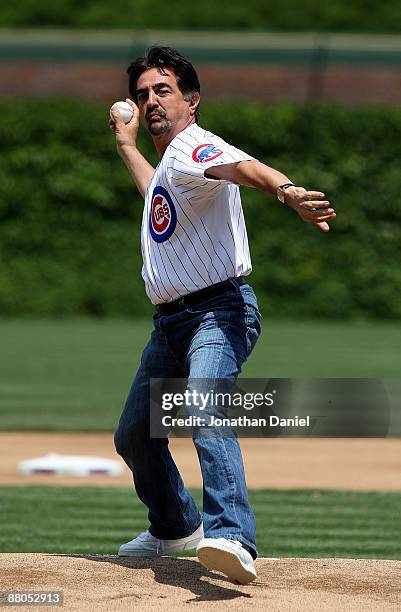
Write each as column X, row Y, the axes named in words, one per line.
column 199, row 296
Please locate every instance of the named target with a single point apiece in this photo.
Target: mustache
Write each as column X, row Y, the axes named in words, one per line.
column 158, row 113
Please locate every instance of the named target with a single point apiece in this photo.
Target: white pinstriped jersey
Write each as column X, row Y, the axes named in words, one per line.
column 193, row 228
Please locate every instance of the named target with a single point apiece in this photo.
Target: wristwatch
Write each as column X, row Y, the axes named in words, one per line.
column 281, row 191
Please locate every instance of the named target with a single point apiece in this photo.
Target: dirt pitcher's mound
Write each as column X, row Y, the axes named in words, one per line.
column 96, row 582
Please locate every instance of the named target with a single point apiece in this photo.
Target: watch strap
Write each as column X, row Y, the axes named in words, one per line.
column 280, row 191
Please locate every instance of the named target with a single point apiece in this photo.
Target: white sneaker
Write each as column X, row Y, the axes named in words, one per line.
column 228, row 557
column 146, row 545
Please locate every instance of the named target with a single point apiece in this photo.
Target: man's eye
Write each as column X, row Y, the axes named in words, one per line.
column 163, row 91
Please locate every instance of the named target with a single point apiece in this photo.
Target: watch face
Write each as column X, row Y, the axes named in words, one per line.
column 281, row 191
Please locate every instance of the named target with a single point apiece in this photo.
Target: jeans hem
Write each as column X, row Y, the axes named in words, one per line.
column 175, row 537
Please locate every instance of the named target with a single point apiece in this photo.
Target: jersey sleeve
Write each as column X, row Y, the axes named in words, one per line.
column 191, row 165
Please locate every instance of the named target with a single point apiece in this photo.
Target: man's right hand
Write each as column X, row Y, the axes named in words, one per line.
column 126, row 133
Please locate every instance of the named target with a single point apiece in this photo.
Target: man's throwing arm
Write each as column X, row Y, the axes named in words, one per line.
column 126, row 134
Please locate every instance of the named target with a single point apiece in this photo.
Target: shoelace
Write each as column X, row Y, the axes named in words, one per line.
column 146, row 536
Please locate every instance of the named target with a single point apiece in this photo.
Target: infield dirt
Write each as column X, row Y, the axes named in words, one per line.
column 169, row 584
column 280, row 463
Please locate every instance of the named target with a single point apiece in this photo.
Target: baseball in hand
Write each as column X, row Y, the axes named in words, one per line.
column 125, row 110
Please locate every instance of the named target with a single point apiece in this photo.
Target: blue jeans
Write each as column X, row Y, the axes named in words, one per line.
column 209, row 340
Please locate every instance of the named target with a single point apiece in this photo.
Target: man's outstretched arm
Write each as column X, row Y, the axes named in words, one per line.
column 310, row 205
column 126, row 134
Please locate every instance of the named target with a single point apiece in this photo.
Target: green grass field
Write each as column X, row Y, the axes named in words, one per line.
column 75, row 374
column 290, row 523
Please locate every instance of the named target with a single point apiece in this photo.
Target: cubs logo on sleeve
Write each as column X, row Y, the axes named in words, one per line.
column 163, row 216
column 205, row 152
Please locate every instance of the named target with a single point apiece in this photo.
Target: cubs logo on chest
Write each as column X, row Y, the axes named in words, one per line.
column 162, row 215
column 205, row 152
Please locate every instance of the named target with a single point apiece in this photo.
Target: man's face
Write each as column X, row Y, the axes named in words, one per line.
column 161, row 103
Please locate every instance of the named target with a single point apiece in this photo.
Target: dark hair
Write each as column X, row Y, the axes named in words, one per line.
column 166, row 57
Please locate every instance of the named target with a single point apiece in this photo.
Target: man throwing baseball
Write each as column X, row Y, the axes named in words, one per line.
column 195, row 263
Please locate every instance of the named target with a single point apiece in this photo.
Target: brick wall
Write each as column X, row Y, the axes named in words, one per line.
column 108, row 81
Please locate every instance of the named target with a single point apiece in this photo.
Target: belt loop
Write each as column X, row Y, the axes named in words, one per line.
column 236, row 284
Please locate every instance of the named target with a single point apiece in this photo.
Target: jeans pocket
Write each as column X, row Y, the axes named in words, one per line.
column 253, row 328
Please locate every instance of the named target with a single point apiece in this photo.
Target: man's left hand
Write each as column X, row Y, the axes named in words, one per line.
column 310, row 206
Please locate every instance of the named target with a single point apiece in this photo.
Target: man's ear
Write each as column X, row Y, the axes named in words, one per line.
column 194, row 102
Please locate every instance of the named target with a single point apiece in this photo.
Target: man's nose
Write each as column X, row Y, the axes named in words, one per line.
column 152, row 99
